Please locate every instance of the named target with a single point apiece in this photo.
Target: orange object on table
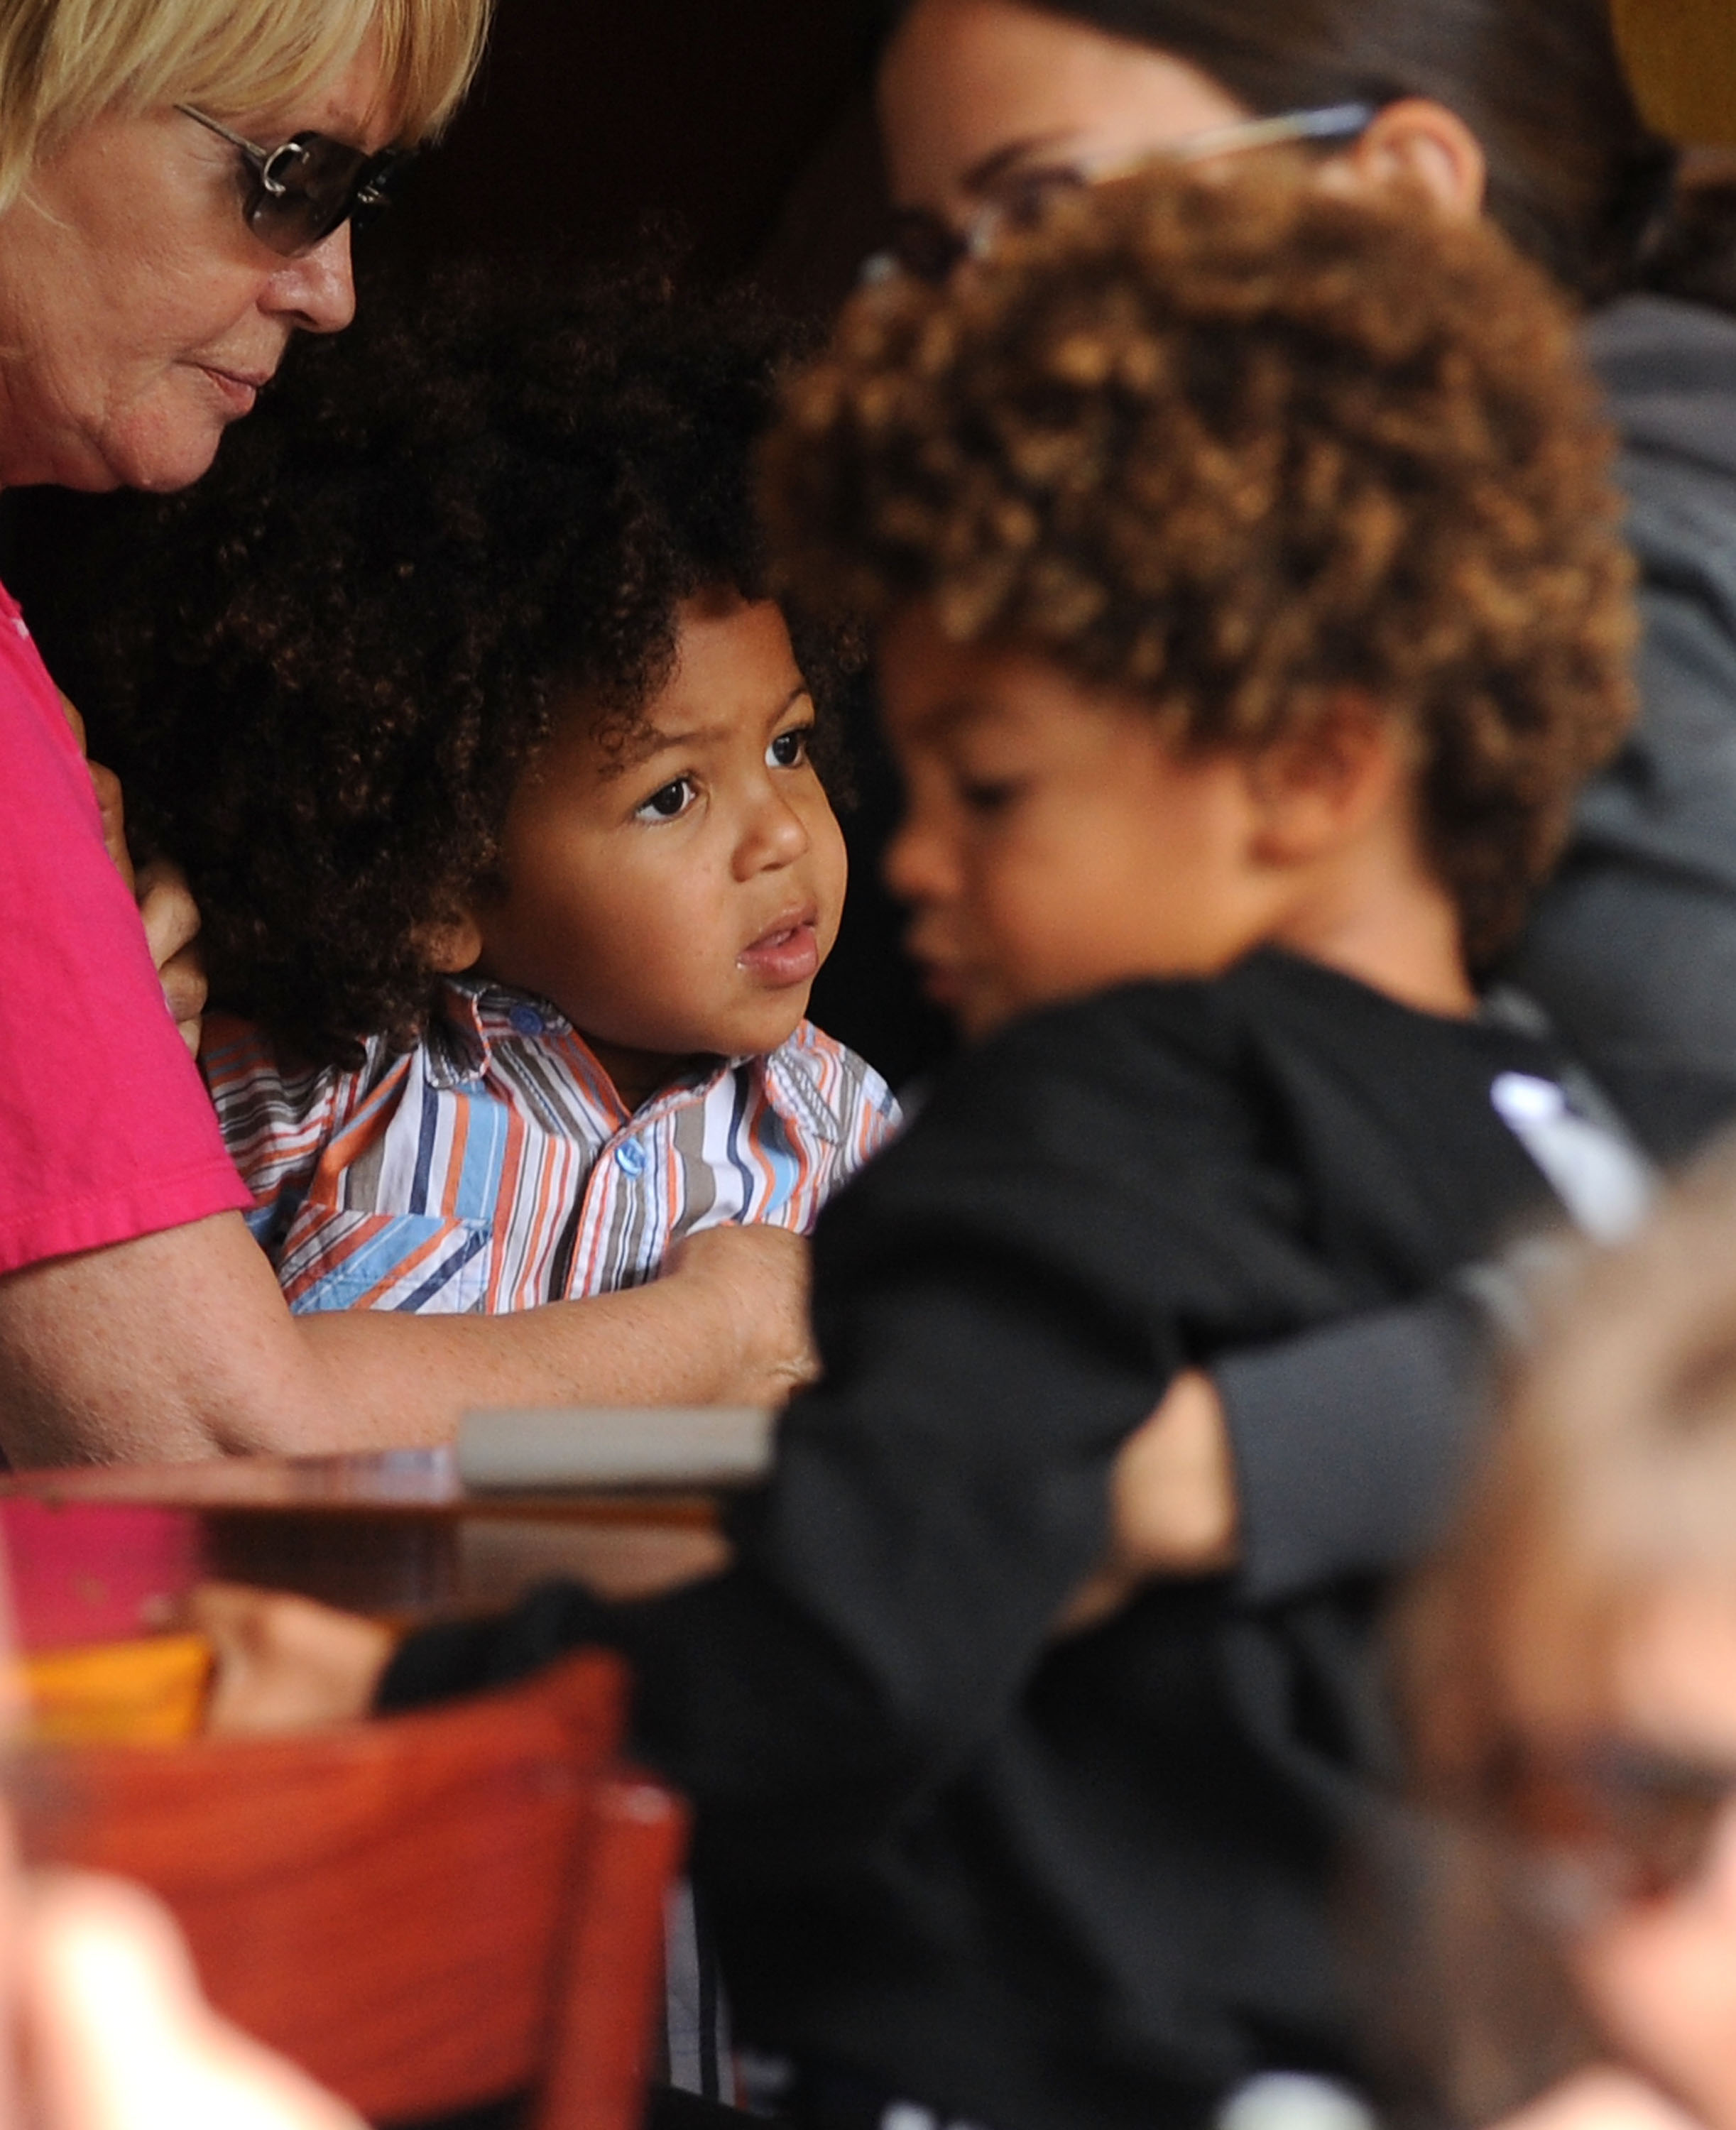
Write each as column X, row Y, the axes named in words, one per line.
column 145, row 1693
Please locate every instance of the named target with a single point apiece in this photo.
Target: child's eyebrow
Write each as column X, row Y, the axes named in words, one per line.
column 936, row 720
column 648, row 742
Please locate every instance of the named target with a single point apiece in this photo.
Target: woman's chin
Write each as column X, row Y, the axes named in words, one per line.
column 159, row 455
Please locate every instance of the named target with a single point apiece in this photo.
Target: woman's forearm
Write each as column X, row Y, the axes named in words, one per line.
column 179, row 1345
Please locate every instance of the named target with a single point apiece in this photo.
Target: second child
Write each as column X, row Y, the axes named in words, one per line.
column 494, row 768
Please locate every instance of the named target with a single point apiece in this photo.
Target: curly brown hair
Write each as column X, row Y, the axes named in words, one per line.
column 322, row 672
column 1236, row 442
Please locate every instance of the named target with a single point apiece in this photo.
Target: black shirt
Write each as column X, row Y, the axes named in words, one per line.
column 1031, row 1884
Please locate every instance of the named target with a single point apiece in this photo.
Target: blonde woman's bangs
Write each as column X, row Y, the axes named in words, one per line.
column 65, row 63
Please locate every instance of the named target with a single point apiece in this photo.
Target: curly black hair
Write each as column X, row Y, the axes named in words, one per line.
column 1233, row 442
column 323, row 671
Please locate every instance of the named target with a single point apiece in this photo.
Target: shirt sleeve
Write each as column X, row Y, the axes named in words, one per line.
column 106, row 1133
column 1350, row 1441
column 276, row 1125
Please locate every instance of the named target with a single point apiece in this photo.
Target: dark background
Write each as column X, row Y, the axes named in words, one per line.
column 744, row 128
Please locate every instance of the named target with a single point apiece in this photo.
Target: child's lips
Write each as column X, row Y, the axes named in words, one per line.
column 787, row 954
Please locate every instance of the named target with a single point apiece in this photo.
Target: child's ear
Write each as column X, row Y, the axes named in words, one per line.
column 453, row 945
column 1317, row 790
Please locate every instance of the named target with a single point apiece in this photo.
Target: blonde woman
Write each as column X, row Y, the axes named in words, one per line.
column 177, row 189
column 1571, row 1666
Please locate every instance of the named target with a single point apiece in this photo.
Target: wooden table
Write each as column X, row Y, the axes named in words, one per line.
column 397, row 1533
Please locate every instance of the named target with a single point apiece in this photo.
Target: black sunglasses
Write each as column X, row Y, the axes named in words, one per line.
column 925, row 246
column 299, row 193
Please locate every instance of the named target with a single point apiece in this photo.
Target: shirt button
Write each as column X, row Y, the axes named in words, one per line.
column 630, row 1158
column 526, row 1019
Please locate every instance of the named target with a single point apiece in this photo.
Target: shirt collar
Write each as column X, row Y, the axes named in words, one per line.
column 477, row 1015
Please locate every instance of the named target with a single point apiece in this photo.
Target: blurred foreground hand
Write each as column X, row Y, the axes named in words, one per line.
column 114, row 2033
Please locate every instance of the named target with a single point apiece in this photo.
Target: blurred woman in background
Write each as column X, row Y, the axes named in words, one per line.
column 1343, row 1449
column 1520, row 108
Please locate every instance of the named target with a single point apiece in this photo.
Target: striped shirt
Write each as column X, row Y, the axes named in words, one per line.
column 493, row 1167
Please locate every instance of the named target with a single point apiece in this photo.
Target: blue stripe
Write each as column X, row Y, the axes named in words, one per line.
column 774, row 1144
column 485, row 1159
column 425, row 1148
column 375, row 1261
column 739, row 1162
column 445, row 1273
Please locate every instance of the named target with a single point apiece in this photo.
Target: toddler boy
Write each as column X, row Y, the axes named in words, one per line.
column 516, row 855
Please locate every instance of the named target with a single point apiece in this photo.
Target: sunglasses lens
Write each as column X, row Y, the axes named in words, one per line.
column 1640, row 1825
column 309, row 186
column 925, row 246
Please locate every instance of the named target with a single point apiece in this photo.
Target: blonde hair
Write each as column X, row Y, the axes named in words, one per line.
column 65, row 63
column 1613, row 1469
column 1612, row 1474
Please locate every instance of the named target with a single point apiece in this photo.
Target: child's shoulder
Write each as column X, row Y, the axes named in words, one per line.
column 257, row 1090
column 1157, row 1071
column 835, row 1092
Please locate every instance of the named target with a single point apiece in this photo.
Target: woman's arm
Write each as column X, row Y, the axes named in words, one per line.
column 1334, row 1454
column 179, row 1345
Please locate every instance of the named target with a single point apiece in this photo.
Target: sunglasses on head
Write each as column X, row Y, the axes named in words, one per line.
column 1610, row 1824
column 299, row 192
column 929, row 248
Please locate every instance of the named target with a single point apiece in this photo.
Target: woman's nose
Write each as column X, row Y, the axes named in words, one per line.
column 317, row 292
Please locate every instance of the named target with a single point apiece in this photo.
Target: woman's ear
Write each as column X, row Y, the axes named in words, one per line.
column 1317, row 791
column 1419, row 142
column 453, row 945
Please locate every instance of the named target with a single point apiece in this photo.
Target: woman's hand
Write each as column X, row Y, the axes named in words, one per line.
column 754, row 1281
column 171, row 921
column 166, row 908
column 1173, row 1502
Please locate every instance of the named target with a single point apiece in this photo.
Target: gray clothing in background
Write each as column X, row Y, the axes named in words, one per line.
column 1350, row 1442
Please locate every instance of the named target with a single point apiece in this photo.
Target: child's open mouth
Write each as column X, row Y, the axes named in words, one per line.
column 787, row 954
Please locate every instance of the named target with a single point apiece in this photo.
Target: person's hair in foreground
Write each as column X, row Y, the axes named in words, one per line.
column 1569, row 1663
column 448, row 534
column 65, row 62
column 1221, row 444
column 1577, row 178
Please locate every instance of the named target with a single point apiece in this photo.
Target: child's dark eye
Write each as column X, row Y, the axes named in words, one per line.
column 790, row 749
column 985, row 795
column 668, row 804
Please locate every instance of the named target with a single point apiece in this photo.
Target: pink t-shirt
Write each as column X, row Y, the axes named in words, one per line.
column 106, row 1131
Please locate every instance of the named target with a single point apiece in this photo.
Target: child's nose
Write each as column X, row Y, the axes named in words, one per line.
column 776, row 835
column 917, row 866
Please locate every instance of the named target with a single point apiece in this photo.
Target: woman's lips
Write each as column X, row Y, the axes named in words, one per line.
column 239, row 392
column 788, row 954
